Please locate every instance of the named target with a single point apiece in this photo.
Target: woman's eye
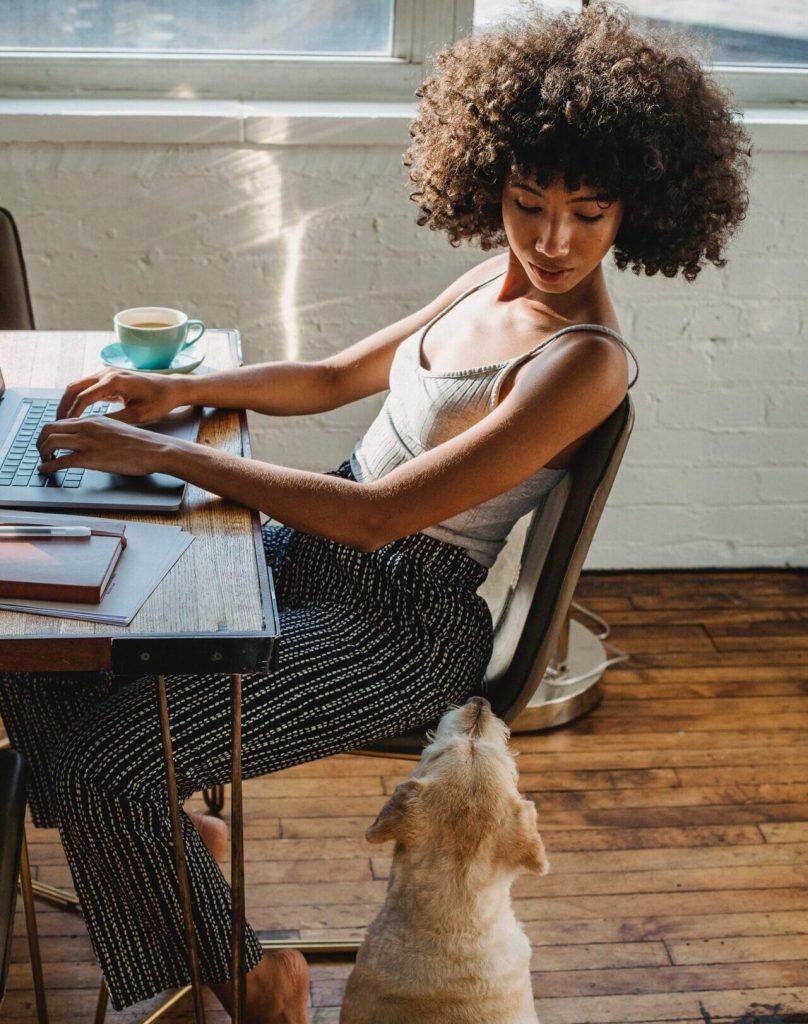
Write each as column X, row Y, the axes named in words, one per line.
column 529, row 209
column 589, row 220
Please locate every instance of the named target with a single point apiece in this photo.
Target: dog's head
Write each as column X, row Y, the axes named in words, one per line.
column 462, row 803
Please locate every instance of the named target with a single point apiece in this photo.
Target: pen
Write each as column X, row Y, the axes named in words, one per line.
column 43, row 532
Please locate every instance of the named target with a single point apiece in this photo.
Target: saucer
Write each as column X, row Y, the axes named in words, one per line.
column 184, row 362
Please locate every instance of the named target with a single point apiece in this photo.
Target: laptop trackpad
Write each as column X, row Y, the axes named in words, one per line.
column 180, row 423
column 141, row 491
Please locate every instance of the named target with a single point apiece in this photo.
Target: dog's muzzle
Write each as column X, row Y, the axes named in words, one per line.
column 479, row 702
column 481, row 712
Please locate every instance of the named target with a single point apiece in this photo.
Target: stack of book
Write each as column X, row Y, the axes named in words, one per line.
column 59, row 563
column 81, row 567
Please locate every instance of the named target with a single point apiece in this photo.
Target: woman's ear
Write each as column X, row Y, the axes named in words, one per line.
column 530, row 851
column 392, row 820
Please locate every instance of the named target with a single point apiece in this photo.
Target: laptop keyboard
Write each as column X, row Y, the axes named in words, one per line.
column 21, row 456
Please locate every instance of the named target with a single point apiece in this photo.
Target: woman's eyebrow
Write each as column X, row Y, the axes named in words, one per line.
column 591, row 199
column 578, row 199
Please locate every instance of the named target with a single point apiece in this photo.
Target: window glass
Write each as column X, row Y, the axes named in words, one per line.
column 728, row 31
column 164, row 26
column 735, row 31
column 488, row 12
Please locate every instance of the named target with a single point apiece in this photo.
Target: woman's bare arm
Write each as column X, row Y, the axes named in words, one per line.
column 555, row 400
column 276, row 388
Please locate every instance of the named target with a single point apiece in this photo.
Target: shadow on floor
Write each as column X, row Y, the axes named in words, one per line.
column 760, row 1013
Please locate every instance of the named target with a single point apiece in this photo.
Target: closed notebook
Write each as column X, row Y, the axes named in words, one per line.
column 61, row 568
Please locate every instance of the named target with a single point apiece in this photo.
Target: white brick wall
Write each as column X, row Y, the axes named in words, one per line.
column 307, row 248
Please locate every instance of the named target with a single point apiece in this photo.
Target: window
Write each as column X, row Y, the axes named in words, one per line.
column 489, row 12
column 759, row 50
column 340, row 49
column 346, row 27
column 231, row 49
column 743, row 32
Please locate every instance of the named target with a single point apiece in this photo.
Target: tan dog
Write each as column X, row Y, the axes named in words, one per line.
column 446, row 947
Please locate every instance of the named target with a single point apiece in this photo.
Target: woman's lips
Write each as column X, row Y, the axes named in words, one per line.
column 550, row 276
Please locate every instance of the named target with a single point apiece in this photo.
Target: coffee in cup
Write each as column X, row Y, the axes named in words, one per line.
column 152, row 336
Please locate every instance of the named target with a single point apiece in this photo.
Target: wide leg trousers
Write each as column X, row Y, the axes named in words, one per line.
column 372, row 645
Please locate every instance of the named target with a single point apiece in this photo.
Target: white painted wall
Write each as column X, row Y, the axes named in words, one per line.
column 306, row 248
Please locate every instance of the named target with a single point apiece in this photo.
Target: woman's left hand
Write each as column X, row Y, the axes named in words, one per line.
column 98, row 442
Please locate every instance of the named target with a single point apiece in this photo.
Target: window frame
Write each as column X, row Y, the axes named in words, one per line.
column 420, row 29
column 763, row 85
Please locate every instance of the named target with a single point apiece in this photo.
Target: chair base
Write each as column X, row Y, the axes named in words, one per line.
column 571, row 693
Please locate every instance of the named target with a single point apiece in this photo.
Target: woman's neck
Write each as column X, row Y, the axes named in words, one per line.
column 587, row 302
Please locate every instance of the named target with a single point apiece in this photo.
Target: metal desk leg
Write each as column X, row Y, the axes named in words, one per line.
column 101, row 1004
column 68, row 900
column 179, row 853
column 237, row 857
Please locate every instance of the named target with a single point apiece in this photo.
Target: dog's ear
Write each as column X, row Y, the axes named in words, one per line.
column 529, row 846
column 390, row 823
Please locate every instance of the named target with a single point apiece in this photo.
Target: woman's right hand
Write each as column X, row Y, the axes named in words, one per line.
column 145, row 397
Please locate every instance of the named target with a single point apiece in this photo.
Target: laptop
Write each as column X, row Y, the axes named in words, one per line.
column 23, row 413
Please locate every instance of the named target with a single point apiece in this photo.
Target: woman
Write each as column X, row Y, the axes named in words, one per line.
column 555, row 140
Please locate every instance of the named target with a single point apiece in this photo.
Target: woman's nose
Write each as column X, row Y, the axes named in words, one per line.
column 554, row 242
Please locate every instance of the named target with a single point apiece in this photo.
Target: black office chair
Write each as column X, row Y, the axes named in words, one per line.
column 532, row 617
column 13, row 866
column 16, row 313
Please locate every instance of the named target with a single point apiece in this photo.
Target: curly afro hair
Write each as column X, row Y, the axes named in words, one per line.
column 586, row 98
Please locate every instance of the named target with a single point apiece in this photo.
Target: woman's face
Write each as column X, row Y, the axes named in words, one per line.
column 558, row 237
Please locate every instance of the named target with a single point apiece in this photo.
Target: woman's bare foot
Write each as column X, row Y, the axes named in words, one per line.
column 213, row 832
column 277, row 989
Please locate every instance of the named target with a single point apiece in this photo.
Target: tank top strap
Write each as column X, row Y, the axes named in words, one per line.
column 456, row 302
column 597, row 328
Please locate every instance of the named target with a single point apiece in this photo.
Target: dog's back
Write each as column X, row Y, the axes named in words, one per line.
column 446, row 947
column 453, row 982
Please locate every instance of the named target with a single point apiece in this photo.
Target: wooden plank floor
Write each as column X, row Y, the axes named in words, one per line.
column 675, row 817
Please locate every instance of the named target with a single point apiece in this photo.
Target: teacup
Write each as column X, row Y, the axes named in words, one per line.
column 151, row 336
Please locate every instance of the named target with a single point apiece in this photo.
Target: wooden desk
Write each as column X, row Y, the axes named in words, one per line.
column 230, row 614
column 214, row 611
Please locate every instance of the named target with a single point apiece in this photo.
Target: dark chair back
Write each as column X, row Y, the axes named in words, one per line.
column 550, row 581
column 16, row 313
column 558, row 538
column 13, row 775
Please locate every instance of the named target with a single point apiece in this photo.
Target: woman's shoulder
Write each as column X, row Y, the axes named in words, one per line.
column 589, row 360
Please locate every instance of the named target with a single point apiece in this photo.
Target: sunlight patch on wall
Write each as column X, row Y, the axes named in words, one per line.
column 294, row 235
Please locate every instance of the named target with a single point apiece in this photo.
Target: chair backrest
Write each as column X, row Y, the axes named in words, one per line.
column 16, row 313
column 12, row 821
column 529, row 615
column 557, row 541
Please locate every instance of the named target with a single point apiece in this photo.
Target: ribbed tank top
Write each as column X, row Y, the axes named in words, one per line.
column 424, row 408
